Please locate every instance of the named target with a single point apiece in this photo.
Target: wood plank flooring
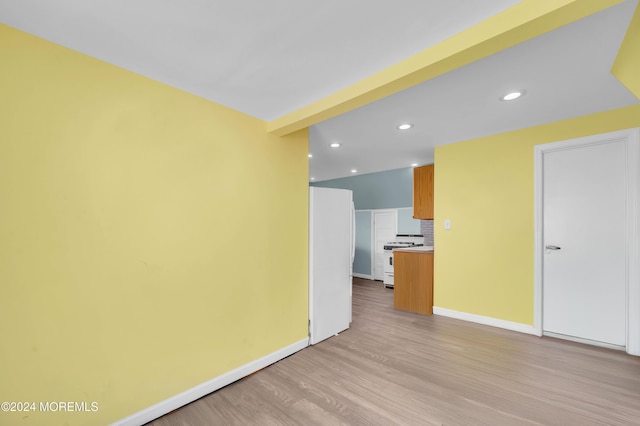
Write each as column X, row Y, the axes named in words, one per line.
column 398, row 368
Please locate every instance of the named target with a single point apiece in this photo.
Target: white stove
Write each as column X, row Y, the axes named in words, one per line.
column 402, row 241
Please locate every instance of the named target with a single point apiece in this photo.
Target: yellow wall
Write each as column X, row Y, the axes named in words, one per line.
column 484, row 264
column 149, row 240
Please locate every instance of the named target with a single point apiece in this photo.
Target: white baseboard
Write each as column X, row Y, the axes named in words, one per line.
column 584, row 341
column 493, row 322
column 190, row 395
column 366, row 277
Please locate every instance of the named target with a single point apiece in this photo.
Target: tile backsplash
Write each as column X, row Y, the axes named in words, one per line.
column 426, row 229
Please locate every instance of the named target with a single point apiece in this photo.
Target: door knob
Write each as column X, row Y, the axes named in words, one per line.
column 552, row 247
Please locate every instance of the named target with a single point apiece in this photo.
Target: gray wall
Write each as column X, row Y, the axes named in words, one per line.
column 383, row 190
column 406, row 223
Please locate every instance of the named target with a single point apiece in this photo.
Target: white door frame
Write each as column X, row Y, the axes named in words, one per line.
column 632, row 142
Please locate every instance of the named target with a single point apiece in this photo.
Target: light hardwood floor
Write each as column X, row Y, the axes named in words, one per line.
column 399, row 368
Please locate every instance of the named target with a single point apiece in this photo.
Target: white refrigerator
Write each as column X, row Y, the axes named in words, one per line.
column 331, row 254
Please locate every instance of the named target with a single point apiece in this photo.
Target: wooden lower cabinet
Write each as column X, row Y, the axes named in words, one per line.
column 413, row 281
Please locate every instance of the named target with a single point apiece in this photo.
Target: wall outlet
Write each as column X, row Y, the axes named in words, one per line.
column 447, row 224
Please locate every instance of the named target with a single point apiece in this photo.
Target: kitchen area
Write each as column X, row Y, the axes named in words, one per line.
column 394, row 245
column 409, row 259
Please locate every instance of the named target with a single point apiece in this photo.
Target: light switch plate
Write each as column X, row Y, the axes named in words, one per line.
column 447, row 224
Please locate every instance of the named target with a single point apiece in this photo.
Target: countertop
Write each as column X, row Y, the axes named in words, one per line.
column 423, row 249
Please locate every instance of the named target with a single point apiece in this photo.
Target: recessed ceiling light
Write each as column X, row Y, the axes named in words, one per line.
column 405, row 126
column 513, row 95
column 354, row 171
column 414, row 165
column 310, row 155
column 335, row 145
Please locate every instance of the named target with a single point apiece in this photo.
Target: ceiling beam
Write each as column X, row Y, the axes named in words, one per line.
column 526, row 20
column 626, row 67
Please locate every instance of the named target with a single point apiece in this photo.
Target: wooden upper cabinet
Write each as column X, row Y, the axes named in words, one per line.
column 423, row 192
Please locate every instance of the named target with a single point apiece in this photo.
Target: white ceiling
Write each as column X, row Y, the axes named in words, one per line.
column 270, row 57
column 566, row 74
column 262, row 57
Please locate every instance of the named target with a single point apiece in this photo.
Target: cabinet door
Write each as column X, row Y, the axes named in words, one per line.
column 413, row 282
column 422, row 283
column 402, row 277
column 423, row 192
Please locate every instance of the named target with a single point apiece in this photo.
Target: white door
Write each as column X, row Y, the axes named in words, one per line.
column 385, row 225
column 330, row 217
column 584, row 228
